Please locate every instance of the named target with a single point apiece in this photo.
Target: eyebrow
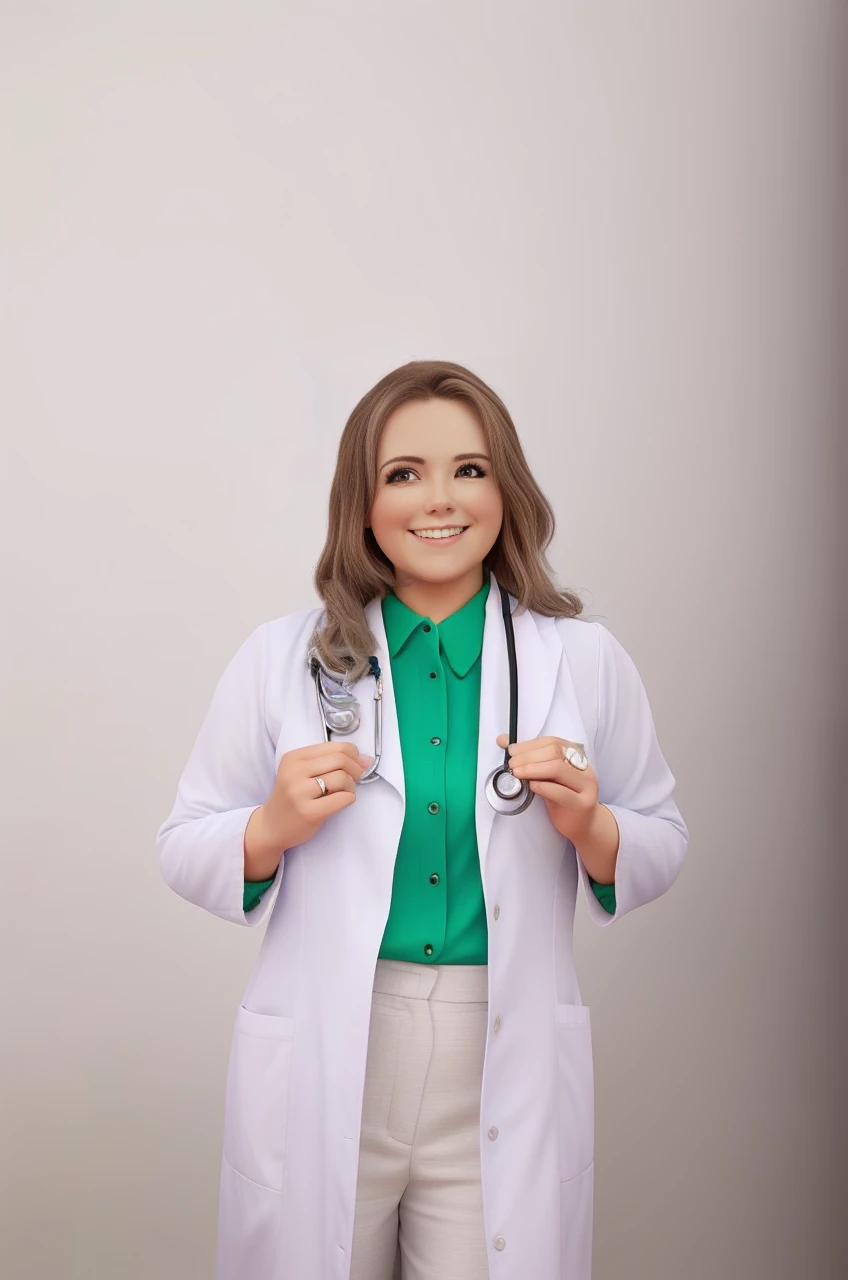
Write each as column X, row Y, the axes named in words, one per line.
column 460, row 457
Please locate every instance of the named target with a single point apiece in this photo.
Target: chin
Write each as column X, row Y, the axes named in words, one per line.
column 440, row 573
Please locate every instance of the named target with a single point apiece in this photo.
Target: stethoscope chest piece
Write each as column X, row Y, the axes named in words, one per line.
column 506, row 793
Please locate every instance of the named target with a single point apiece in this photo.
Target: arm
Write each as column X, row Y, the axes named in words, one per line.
column 605, row 893
column 229, row 774
column 636, row 785
column 253, row 891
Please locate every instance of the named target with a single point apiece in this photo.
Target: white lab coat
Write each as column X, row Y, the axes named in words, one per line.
column 297, row 1063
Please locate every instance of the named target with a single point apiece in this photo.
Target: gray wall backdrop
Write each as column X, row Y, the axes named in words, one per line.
column 221, row 223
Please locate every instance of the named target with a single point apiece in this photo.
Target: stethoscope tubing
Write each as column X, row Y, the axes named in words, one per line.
column 506, row 793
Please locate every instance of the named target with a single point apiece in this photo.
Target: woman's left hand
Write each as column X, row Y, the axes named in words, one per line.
column 570, row 794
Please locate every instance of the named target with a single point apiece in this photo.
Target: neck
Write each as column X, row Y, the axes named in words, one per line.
column 438, row 600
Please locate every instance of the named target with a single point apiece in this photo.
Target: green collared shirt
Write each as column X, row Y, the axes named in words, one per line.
column 437, row 912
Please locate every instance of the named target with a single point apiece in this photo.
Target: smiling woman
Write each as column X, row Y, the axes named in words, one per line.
column 430, row 450
column 435, row 515
column 411, row 1065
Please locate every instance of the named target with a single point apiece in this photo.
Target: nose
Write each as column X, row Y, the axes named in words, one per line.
column 438, row 496
column 436, row 505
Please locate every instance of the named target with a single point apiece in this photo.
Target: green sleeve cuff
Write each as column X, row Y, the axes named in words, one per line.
column 605, row 893
column 253, row 891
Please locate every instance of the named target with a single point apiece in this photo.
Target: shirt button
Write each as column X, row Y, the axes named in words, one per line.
column 426, row 626
column 497, row 1024
column 436, row 741
column 433, row 675
column 434, row 879
column 497, row 911
column 499, row 1243
column 493, row 1132
column 428, row 950
column 433, row 807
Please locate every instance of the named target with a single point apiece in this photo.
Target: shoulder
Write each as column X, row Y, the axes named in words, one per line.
column 594, row 655
column 272, row 641
column 579, row 639
column 578, row 636
column 291, row 629
column 584, row 638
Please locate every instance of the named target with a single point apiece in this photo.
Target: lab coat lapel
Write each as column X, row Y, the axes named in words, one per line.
column 391, row 765
column 538, row 659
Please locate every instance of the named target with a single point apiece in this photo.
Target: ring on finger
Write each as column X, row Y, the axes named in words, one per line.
column 322, row 786
column 575, row 755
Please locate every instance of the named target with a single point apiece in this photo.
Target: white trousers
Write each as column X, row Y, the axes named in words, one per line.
column 419, row 1202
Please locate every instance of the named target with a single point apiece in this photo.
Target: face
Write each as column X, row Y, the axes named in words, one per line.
column 437, row 510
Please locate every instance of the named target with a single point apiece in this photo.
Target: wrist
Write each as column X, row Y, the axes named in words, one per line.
column 261, row 855
column 599, row 848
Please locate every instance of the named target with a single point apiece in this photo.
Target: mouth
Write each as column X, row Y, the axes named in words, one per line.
column 450, row 533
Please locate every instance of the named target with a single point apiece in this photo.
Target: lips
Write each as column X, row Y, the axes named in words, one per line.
column 434, row 535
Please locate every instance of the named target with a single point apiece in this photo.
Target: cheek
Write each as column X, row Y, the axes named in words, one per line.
column 490, row 507
column 388, row 509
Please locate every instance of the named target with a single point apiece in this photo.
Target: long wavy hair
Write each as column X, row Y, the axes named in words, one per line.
column 352, row 569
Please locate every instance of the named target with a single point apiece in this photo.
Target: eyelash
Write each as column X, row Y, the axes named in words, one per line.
column 399, row 471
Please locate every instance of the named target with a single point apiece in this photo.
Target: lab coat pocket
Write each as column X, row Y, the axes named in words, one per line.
column 576, row 1090
column 255, row 1112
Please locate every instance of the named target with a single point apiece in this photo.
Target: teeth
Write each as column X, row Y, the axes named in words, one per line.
column 438, row 533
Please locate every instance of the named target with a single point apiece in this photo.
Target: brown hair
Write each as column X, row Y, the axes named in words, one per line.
column 352, row 569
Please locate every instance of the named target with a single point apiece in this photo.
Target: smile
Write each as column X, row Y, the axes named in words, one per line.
column 449, row 534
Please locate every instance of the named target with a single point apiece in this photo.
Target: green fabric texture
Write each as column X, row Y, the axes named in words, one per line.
column 437, row 913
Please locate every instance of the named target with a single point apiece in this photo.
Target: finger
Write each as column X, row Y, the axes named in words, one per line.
column 553, row 771
column 336, row 780
column 330, row 759
column 555, row 751
column 522, row 748
column 338, row 800
column 552, row 755
column 318, row 748
column 557, row 794
column 533, row 753
column 530, row 744
column 542, row 744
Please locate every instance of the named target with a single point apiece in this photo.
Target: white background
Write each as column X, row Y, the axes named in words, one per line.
column 221, row 224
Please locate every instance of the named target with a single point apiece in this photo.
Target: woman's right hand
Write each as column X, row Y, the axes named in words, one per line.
column 296, row 808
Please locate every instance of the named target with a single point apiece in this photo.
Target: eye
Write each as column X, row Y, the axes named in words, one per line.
column 473, row 466
column 402, row 472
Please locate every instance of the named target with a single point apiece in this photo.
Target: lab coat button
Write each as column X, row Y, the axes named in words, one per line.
column 497, row 1024
column 493, row 1132
column 497, row 911
column 499, row 1242
column 428, row 950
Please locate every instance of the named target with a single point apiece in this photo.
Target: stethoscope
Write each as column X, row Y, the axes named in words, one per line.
column 340, row 714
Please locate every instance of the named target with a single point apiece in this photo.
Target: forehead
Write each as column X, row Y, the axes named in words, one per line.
column 430, row 428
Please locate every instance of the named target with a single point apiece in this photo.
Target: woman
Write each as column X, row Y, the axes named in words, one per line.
column 411, row 1065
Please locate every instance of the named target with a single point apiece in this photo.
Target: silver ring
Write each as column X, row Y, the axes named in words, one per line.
column 576, row 756
column 322, row 786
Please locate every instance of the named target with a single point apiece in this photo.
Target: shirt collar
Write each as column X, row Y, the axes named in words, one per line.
column 460, row 635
